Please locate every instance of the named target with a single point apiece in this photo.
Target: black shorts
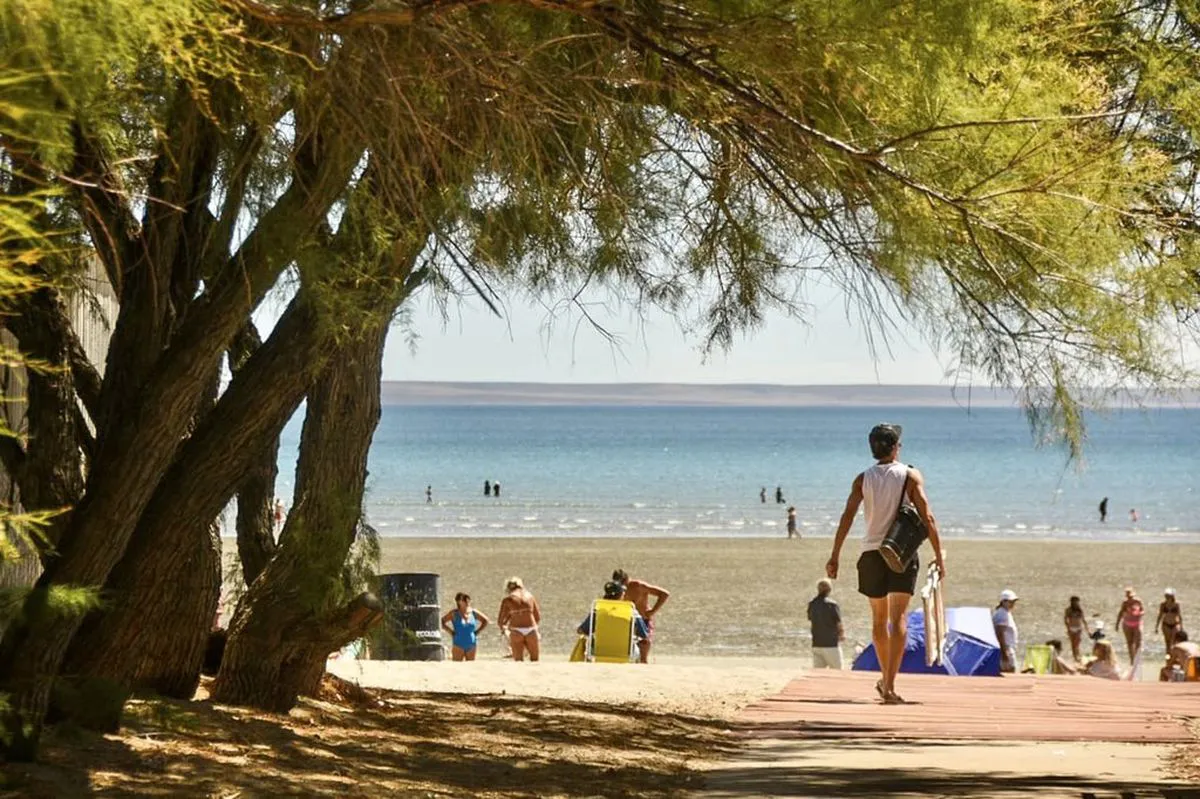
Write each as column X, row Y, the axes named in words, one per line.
column 876, row 580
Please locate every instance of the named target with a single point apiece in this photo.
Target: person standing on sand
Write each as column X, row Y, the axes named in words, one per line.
column 1104, row 509
column 428, row 494
column 762, row 495
column 279, row 514
column 1133, row 515
column 881, row 488
column 1076, row 623
column 520, row 616
column 791, row 522
column 487, row 488
column 779, row 500
column 464, row 624
column 1170, row 618
column 495, row 489
column 1006, row 629
column 639, row 593
column 827, row 630
column 1129, row 620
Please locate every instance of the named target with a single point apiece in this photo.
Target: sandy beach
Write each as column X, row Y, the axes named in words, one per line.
column 746, row 598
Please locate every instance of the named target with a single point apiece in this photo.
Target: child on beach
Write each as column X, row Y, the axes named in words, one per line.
column 791, row 522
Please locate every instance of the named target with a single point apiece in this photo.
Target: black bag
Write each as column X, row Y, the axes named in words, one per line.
column 906, row 535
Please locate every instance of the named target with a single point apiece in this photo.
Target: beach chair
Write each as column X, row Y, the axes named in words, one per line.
column 612, row 632
column 1192, row 672
column 1039, row 658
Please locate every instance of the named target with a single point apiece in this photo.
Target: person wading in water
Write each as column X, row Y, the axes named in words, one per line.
column 881, row 488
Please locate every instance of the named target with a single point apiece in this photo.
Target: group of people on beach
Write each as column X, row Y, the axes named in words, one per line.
column 520, row 615
column 1103, row 662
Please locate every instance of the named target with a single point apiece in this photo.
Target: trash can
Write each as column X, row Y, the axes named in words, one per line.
column 411, row 628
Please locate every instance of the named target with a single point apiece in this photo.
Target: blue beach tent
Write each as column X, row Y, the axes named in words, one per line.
column 971, row 646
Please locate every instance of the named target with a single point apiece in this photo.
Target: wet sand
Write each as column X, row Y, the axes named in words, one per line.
column 746, row 598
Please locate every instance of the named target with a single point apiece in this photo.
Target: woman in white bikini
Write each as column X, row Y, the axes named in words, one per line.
column 1076, row 624
column 520, row 615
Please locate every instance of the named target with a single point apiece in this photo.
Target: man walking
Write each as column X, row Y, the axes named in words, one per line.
column 827, row 630
column 882, row 488
column 639, row 593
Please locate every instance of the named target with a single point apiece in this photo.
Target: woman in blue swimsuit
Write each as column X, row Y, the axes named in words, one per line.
column 464, row 624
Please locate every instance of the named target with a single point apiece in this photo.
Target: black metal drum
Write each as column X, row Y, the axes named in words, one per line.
column 411, row 628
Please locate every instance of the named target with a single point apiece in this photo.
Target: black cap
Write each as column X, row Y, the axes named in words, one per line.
column 614, row 590
column 885, row 433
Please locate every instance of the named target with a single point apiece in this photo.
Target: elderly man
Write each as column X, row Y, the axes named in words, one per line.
column 827, row 630
column 1006, row 629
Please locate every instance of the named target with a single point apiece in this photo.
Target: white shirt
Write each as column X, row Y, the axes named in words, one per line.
column 882, row 486
column 1002, row 618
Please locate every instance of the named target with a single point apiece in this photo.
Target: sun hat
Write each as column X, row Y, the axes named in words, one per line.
column 1008, row 595
column 1168, row 592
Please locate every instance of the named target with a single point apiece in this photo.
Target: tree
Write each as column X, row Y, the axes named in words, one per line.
column 955, row 163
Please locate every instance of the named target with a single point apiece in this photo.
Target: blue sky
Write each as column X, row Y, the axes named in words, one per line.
column 531, row 345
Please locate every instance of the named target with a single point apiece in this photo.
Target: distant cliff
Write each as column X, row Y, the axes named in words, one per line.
column 731, row 394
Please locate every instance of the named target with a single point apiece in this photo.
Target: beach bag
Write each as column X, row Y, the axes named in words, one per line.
column 906, row 535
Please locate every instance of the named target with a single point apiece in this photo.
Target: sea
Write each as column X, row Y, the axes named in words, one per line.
column 678, row 472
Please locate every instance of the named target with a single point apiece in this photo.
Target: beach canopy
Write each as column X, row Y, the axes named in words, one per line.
column 971, row 646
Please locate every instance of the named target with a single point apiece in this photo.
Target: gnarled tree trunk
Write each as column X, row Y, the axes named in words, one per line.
column 296, row 613
column 164, row 593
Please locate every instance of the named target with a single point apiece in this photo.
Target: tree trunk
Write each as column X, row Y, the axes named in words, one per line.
column 140, row 436
column 164, row 593
column 255, row 496
column 256, row 514
column 295, row 614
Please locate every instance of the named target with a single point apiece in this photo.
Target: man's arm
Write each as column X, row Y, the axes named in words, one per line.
column 916, row 492
column 661, row 595
column 844, row 525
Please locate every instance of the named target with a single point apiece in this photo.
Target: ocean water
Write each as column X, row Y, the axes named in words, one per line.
column 697, row 471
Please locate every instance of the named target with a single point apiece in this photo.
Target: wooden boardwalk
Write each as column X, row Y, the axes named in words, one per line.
column 832, row 704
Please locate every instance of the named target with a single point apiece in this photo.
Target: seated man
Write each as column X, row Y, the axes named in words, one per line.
column 616, row 591
column 1183, row 651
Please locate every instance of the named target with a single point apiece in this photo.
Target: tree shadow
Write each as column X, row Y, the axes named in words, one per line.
column 820, row 780
column 391, row 743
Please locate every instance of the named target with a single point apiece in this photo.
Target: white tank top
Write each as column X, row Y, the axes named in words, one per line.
column 882, row 485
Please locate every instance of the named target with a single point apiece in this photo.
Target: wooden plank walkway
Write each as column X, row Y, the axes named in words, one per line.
column 832, row 704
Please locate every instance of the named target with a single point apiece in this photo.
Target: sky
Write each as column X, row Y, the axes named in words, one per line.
column 531, row 344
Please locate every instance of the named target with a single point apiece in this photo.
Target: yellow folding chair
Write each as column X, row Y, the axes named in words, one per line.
column 612, row 636
column 1039, row 658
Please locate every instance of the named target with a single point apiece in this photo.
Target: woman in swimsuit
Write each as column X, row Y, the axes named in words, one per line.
column 464, row 624
column 1076, row 624
column 1170, row 616
column 520, row 615
column 1105, row 663
column 1129, row 619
